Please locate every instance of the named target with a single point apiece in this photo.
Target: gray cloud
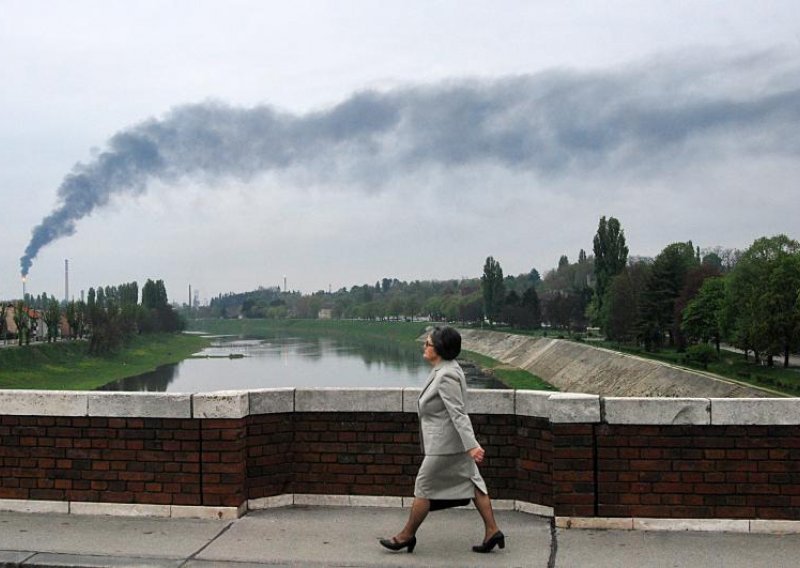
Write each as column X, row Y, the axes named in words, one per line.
column 552, row 124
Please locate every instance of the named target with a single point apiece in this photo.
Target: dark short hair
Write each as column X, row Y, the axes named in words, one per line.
column 446, row 341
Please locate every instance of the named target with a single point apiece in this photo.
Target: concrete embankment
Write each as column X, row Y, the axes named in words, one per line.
column 578, row 367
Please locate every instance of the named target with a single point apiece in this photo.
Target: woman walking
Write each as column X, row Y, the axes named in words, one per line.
column 449, row 473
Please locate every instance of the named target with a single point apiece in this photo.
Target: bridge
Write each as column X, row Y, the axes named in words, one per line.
column 555, row 461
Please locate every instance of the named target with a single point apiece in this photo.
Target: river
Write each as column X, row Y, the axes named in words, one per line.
column 233, row 363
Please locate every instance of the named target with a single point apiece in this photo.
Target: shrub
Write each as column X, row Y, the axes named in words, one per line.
column 702, row 354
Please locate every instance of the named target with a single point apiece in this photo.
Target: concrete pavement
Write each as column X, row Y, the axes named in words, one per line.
column 331, row 536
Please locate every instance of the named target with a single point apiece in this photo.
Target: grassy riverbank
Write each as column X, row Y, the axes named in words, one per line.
column 68, row 366
column 514, row 377
column 401, row 332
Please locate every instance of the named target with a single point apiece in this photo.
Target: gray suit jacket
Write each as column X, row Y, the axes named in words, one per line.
column 445, row 427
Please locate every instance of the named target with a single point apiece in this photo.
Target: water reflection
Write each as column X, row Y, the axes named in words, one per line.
column 292, row 361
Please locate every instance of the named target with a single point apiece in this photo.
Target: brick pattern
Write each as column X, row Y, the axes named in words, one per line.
column 270, row 455
column 223, row 471
column 355, row 453
column 497, row 434
column 113, row 460
column 733, row 472
column 574, row 490
column 534, row 468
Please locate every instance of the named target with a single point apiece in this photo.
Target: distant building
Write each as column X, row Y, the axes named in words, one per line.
column 325, row 314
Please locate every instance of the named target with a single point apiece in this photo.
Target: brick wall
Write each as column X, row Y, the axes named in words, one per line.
column 732, row 472
column 572, row 455
column 111, row 460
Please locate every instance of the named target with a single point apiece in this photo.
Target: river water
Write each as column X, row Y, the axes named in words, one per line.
column 233, row 363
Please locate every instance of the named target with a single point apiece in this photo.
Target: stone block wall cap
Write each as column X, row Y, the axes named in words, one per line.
column 532, row 403
column 21, row 402
column 271, row 401
column 657, row 411
column 139, row 405
column 221, row 404
column 491, row 401
column 573, row 408
column 755, row 411
column 365, row 399
column 574, row 395
column 410, row 397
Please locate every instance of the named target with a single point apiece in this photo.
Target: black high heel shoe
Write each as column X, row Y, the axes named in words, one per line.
column 497, row 538
column 392, row 544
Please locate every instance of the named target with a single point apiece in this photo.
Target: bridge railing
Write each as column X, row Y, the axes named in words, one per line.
column 584, row 459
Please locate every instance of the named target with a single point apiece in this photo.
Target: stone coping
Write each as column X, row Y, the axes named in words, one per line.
column 558, row 408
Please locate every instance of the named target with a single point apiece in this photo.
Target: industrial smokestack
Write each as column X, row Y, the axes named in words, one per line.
column 66, row 280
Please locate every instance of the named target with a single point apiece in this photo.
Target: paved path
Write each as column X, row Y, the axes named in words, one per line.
column 348, row 537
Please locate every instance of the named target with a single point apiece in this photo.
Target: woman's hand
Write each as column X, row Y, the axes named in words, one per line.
column 476, row 453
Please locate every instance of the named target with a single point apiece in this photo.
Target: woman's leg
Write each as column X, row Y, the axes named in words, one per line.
column 419, row 510
column 484, row 506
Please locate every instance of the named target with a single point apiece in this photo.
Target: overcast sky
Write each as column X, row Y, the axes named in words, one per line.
column 225, row 145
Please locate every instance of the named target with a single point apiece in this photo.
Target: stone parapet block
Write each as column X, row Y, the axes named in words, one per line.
column 491, row 401
column 43, row 403
column 348, row 400
column 410, row 398
column 571, row 408
column 533, row 403
column 140, row 405
column 755, row 411
column 271, row 401
column 221, row 404
column 657, row 411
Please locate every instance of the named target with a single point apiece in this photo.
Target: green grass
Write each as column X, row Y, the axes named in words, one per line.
column 68, row 366
column 730, row 365
column 514, row 377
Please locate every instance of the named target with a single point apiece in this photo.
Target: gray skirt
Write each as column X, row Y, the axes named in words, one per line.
column 452, row 476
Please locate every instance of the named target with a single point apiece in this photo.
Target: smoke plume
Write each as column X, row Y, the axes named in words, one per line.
column 551, row 124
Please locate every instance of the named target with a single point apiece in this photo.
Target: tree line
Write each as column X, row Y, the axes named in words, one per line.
column 685, row 297
column 109, row 317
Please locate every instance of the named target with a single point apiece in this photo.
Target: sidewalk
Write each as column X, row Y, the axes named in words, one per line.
column 349, row 537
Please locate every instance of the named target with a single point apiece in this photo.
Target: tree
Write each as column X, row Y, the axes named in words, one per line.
column 761, row 303
column 621, row 304
column 3, row 323
column 702, row 318
column 493, row 289
column 531, row 310
column 22, row 322
column 52, row 317
column 695, row 276
column 75, row 313
column 667, row 279
column 610, row 257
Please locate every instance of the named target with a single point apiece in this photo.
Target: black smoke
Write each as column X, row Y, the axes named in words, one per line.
column 549, row 124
